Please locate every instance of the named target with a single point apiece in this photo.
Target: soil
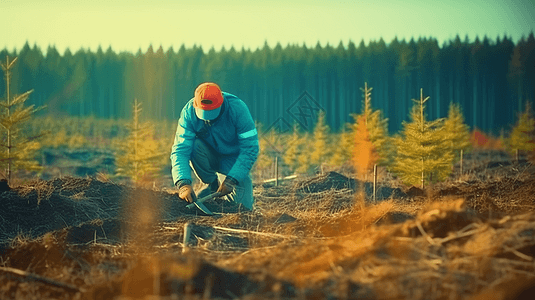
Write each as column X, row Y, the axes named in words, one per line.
column 318, row 237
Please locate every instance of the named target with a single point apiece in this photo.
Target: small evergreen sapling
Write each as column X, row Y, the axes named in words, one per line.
column 293, row 149
column 20, row 150
column 140, row 158
column 364, row 155
column 320, row 142
column 421, row 152
column 455, row 132
column 304, row 161
column 343, row 146
column 376, row 125
column 264, row 160
column 522, row 137
column 270, row 148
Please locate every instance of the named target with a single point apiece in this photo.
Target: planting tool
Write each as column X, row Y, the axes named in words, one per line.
column 199, row 203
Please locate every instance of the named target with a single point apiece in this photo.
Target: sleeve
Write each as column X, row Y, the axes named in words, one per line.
column 247, row 141
column 182, row 148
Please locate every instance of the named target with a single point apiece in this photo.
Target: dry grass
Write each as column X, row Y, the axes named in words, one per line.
column 467, row 238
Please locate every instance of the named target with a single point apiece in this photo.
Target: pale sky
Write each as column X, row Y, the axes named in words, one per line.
column 129, row 25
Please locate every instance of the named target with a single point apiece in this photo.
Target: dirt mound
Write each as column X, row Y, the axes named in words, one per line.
column 483, row 165
column 108, row 230
column 46, row 206
column 43, row 206
column 503, row 195
column 331, row 180
column 415, row 192
column 337, row 181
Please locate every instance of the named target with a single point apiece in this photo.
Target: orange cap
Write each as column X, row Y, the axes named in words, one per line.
column 208, row 96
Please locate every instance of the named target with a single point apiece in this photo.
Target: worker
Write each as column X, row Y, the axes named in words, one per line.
column 216, row 136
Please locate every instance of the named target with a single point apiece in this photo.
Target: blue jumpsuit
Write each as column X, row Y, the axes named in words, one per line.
column 230, row 143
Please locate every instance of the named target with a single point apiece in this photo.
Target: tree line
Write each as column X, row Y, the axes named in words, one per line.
column 490, row 79
column 424, row 151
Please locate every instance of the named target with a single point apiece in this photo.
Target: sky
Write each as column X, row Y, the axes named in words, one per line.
column 130, row 25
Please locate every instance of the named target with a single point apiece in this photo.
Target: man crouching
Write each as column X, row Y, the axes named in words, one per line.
column 216, row 134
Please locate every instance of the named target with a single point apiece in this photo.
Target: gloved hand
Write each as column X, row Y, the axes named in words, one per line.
column 186, row 193
column 228, row 186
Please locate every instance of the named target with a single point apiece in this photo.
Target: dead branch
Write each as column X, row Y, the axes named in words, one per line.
column 518, row 253
column 243, row 231
column 253, row 232
column 42, row 279
column 460, row 235
column 422, row 231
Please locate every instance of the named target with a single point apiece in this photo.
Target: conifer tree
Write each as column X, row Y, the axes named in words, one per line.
column 343, row 145
column 455, row 132
column 320, row 144
column 293, row 149
column 20, row 150
column 421, row 155
column 264, row 159
column 140, row 156
column 304, row 158
column 364, row 154
column 366, row 103
column 522, row 137
column 376, row 125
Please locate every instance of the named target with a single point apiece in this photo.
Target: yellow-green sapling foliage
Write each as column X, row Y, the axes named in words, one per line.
column 376, row 125
column 140, row 156
column 455, row 132
column 421, row 153
column 320, row 137
column 18, row 151
column 523, row 135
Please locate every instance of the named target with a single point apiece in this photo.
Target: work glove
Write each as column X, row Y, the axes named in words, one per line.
column 228, row 186
column 186, row 193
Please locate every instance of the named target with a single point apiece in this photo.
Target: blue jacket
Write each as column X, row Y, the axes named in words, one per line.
column 233, row 135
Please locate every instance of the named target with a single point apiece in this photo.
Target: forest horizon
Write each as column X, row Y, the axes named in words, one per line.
column 491, row 80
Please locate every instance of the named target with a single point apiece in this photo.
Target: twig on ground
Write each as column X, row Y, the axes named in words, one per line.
column 518, row 253
column 525, row 273
column 505, row 219
column 460, row 235
column 422, row 231
column 381, row 217
column 42, row 279
column 257, row 249
column 253, row 232
column 242, row 231
column 508, row 261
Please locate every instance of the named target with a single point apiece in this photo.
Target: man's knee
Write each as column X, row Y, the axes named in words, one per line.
column 244, row 193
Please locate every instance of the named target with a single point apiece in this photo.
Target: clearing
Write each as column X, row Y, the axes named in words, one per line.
column 312, row 238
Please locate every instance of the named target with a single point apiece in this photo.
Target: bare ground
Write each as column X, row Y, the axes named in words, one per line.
column 321, row 237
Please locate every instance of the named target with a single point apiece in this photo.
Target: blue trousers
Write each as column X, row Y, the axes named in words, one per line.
column 209, row 165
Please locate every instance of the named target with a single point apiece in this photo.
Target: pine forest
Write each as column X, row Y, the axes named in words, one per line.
column 490, row 79
column 387, row 170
